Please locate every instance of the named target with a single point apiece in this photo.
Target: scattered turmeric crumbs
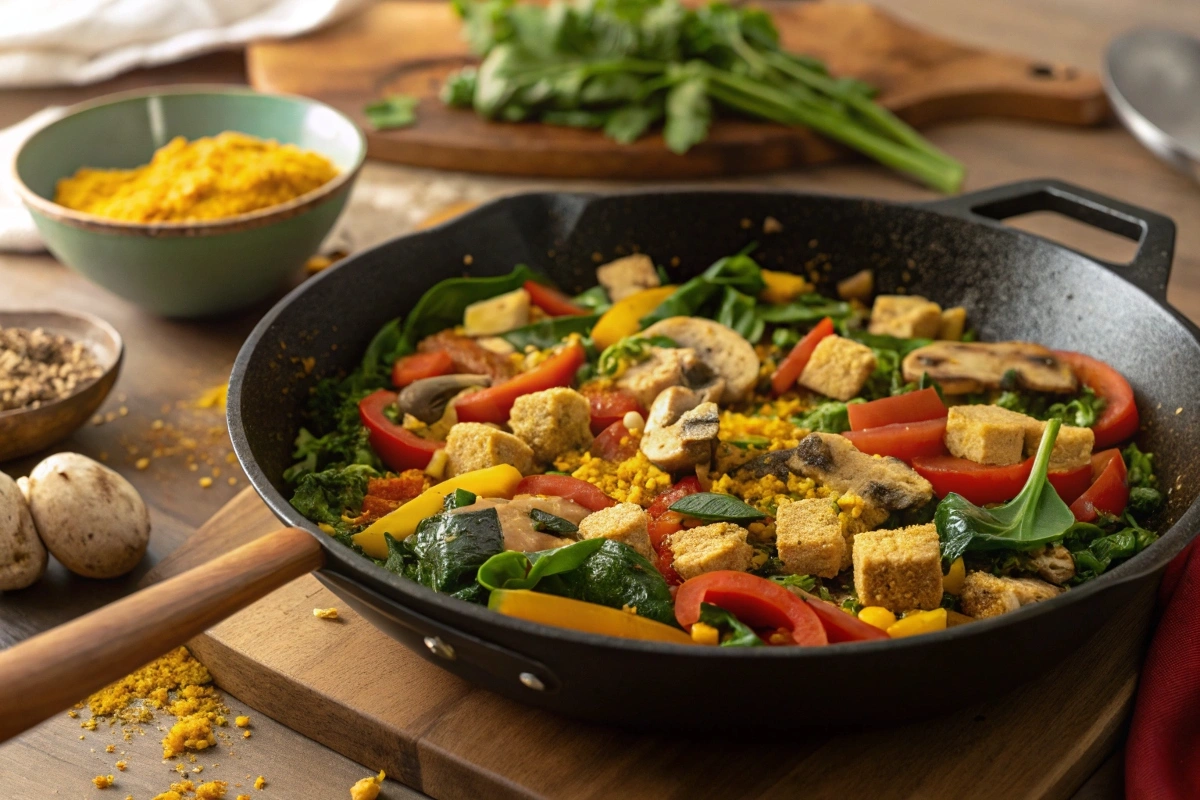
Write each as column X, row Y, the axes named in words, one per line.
column 325, row 613
column 110, row 748
column 103, row 781
column 150, row 685
column 367, row 788
column 121, row 765
column 209, row 178
column 260, row 782
column 213, row 790
column 242, row 722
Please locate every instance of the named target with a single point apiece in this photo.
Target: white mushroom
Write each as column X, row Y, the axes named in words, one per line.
column 672, row 402
column 89, row 517
column 22, row 554
column 685, row 443
column 966, row 367
column 719, row 347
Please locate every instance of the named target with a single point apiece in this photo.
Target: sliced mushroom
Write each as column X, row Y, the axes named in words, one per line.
column 1053, row 563
column 685, row 443
column 725, row 352
column 674, row 402
column 966, row 367
column 426, row 399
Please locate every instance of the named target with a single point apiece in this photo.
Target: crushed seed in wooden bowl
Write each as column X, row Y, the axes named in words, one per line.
column 38, row 367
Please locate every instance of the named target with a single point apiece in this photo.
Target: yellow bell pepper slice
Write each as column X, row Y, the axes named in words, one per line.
column 952, row 581
column 563, row 612
column 703, row 633
column 498, row 481
column 624, row 318
column 782, row 287
column 877, row 616
column 918, row 623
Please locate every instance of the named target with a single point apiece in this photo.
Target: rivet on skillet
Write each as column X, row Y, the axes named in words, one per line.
column 440, row 648
column 531, row 681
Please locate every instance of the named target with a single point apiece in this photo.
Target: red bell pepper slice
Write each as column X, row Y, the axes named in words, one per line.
column 1118, row 419
column 399, row 448
column 904, row 440
column 552, row 301
column 840, row 626
column 494, row 404
column 916, row 406
column 608, row 445
column 577, row 491
column 609, row 406
column 419, row 366
column 663, row 523
column 1109, row 492
column 682, row 488
column 982, row 483
column 790, row 368
column 756, row 601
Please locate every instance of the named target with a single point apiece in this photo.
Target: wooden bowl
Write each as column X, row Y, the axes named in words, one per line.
column 25, row 431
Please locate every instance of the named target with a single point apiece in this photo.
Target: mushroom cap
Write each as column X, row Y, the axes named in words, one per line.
column 720, row 347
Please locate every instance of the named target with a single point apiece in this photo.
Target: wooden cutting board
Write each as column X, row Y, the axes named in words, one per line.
column 348, row 686
column 408, row 46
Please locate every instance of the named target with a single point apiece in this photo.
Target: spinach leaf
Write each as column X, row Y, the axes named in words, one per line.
column 785, row 338
column 714, row 507
column 1037, row 516
column 1144, row 496
column 595, row 299
column 545, row 521
column 442, row 306
column 741, row 313
column 1080, row 411
column 616, row 576
column 627, row 124
column 689, row 113
column 734, row 632
column 550, row 331
column 620, row 355
column 394, row 111
column 827, row 417
column 879, row 341
column 806, row 583
column 459, row 498
column 324, row 496
column 447, row 550
column 514, row 570
column 700, row 296
column 805, row 308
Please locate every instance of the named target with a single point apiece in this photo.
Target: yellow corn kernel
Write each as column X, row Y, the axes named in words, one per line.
column 917, row 623
column 782, row 287
column 703, row 633
column 952, row 581
column 878, row 616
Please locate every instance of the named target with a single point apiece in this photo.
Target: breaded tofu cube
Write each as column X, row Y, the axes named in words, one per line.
column 905, row 316
column 900, row 570
column 709, row 548
column 809, row 537
column 986, row 595
column 954, row 321
column 628, row 275
column 473, row 445
column 838, row 368
column 666, row 367
column 1072, row 448
column 626, row 523
column 987, row 434
column 552, row 422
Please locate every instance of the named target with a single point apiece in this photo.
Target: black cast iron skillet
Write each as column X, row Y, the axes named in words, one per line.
column 1014, row 285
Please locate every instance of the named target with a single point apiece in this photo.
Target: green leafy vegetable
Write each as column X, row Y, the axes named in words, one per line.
column 394, row 111
column 741, row 312
column 805, row 308
column 595, row 299
column 630, row 350
column 447, row 550
column 1035, row 517
column 545, row 521
column 714, row 507
column 746, row 442
column 1144, row 495
column 513, row 570
column 443, row 305
column 1080, row 411
column 804, row 582
column 701, row 296
column 616, row 576
column 550, row 331
column 459, row 498
column 879, row 341
column 827, row 417
column 325, row 496
column 1096, row 549
column 733, row 632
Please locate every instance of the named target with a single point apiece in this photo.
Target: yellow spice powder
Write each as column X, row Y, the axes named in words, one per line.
column 209, row 178
column 367, row 788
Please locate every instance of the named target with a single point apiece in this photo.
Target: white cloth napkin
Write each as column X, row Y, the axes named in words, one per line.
column 17, row 232
column 49, row 42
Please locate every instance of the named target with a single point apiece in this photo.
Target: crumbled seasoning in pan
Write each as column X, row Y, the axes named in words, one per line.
column 37, row 367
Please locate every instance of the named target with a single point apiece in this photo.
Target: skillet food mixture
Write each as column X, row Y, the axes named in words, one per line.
column 735, row 460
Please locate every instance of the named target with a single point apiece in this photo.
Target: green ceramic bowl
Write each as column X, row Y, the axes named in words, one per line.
column 186, row 269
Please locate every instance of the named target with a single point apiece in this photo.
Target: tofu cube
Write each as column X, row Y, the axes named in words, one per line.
column 473, row 445
column 954, row 321
column 497, row 314
column 987, row 434
column 986, row 595
column 900, row 570
column 709, row 548
column 809, row 537
column 552, row 422
column 905, row 316
column 838, row 368
column 628, row 275
column 626, row 523
column 1072, row 448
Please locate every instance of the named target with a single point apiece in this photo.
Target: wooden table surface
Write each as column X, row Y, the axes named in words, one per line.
column 169, row 364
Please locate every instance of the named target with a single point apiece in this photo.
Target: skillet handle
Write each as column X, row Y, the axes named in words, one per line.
column 1150, row 267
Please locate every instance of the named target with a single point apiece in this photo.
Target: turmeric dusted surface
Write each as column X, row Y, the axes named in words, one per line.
column 206, row 179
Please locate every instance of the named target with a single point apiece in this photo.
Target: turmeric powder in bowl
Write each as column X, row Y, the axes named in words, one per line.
column 209, row 178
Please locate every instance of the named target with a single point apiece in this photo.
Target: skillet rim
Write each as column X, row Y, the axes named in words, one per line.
column 352, row 567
